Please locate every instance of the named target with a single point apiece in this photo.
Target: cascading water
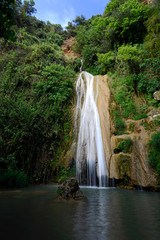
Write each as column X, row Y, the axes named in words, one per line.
column 90, row 158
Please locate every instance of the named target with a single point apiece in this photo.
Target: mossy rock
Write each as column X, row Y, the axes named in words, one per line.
column 69, row 190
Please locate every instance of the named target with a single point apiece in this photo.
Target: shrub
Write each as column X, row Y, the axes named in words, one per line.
column 141, row 116
column 124, row 100
column 107, row 60
column 148, row 81
column 13, row 178
column 154, row 152
column 124, row 146
column 120, row 126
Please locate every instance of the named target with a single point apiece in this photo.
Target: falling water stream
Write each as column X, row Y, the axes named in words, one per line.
column 91, row 166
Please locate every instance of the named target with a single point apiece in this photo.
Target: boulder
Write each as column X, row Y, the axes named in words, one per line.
column 69, row 190
column 156, row 95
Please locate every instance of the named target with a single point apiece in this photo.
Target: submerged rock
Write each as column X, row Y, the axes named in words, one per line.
column 70, row 190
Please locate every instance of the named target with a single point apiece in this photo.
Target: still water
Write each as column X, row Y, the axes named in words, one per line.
column 109, row 214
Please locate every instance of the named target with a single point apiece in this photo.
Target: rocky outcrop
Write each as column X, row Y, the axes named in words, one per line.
column 68, row 47
column 156, row 95
column 133, row 166
column 69, row 190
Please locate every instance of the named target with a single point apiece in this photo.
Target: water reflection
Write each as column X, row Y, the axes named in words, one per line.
column 118, row 214
column 108, row 214
column 90, row 217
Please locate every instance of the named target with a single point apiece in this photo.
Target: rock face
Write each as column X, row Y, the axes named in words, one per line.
column 103, row 109
column 133, row 166
column 69, row 190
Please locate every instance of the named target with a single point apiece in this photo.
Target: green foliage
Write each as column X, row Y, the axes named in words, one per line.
column 64, row 174
column 122, row 88
column 36, row 91
column 124, row 146
column 80, row 20
column 141, row 116
column 120, row 126
column 154, row 151
column 28, row 7
column 107, row 60
column 125, row 21
column 153, row 125
column 152, row 40
column 7, row 19
column 13, row 179
column 149, row 78
column 90, row 41
column 37, row 118
column 130, row 56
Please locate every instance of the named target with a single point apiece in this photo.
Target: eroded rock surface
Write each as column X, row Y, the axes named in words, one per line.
column 133, row 166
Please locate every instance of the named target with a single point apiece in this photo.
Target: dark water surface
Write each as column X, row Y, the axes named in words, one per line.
column 110, row 214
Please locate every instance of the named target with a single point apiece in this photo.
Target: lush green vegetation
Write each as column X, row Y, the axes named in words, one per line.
column 125, row 42
column 124, row 146
column 154, row 152
column 36, row 91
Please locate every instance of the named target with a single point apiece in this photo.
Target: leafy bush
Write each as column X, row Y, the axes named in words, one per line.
column 130, row 56
column 152, row 40
column 120, row 126
column 64, row 174
column 154, row 152
column 149, row 78
column 107, row 60
column 13, row 179
column 141, row 116
column 124, row 100
column 126, row 21
column 124, row 146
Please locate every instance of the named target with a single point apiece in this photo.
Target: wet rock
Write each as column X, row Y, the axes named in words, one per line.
column 69, row 190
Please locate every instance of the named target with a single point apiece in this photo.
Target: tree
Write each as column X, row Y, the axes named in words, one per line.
column 22, row 12
column 152, row 40
column 28, row 7
column 80, row 20
column 124, row 22
column 7, row 19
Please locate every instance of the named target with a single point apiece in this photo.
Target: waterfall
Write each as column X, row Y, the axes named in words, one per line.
column 81, row 65
column 90, row 158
